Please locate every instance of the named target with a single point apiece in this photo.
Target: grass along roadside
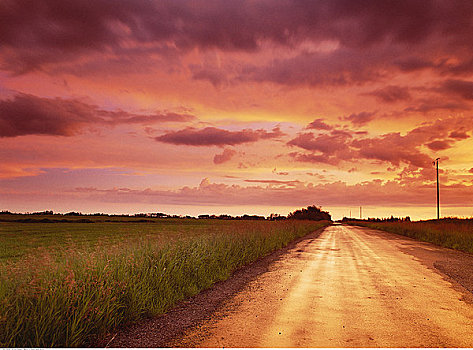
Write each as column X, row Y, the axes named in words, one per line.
column 51, row 302
column 449, row 232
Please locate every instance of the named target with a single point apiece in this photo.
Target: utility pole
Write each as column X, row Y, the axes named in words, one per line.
column 438, row 191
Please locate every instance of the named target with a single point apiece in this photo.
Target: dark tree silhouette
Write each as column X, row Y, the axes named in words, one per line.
column 311, row 213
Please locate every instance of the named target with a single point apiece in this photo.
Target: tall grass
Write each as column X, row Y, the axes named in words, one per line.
column 67, row 300
column 450, row 233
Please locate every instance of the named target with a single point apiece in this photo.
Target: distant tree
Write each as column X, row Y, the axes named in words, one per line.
column 225, row 217
column 274, row 217
column 311, row 213
column 251, row 217
column 159, row 215
column 46, row 212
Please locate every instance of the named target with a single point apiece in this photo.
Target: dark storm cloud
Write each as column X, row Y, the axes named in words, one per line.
column 31, row 115
column 341, row 67
column 33, row 33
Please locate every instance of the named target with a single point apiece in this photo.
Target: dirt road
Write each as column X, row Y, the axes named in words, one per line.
column 351, row 287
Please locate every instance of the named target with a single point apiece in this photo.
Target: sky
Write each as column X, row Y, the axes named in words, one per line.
column 236, row 107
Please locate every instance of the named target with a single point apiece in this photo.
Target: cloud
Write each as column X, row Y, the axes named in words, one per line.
column 26, row 114
column 291, row 193
column 276, row 182
column 391, row 93
column 282, row 173
column 393, row 148
column 460, row 88
column 226, row 155
column 212, row 136
column 319, row 124
column 438, row 145
column 217, row 77
column 410, row 64
column 459, row 135
column 325, row 148
column 32, row 35
column 396, row 148
column 361, row 118
column 433, row 104
column 341, row 67
column 325, row 143
column 314, row 158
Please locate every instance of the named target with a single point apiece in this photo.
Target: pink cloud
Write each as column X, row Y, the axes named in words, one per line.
column 212, row 136
column 276, row 182
column 226, row 155
column 283, row 173
column 376, row 192
column 325, row 143
column 361, row 118
column 319, row 124
column 392, row 148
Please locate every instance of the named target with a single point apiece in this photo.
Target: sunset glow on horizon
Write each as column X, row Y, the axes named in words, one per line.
column 236, row 107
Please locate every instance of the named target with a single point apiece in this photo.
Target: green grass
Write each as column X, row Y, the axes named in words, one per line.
column 450, row 233
column 77, row 281
column 17, row 239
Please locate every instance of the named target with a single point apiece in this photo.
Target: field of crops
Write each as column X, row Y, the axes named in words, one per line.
column 450, row 233
column 65, row 283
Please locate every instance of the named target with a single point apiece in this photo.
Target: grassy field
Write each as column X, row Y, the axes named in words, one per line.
column 450, row 233
column 66, row 283
column 19, row 238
